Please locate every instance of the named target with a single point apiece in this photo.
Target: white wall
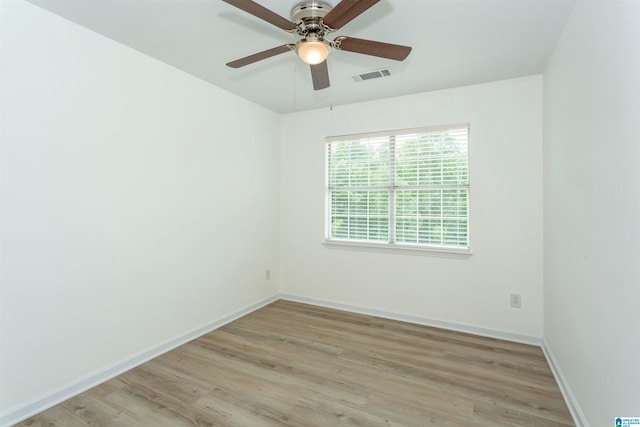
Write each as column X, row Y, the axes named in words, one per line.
column 505, row 211
column 130, row 191
column 138, row 203
column 592, row 208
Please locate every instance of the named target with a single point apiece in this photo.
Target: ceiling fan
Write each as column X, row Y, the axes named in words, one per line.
column 313, row 20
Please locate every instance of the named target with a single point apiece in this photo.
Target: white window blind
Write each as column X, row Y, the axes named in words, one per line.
column 408, row 187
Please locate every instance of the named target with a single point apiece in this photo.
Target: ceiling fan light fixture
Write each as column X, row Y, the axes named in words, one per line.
column 312, row 20
column 313, row 52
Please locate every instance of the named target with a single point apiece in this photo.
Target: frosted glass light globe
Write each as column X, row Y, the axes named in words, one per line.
column 313, row 52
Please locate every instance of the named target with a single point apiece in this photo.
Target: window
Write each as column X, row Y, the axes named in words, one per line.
column 406, row 188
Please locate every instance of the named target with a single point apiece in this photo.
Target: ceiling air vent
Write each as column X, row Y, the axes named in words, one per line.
column 375, row 74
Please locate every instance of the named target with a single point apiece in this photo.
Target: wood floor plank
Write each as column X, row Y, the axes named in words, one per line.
column 107, row 387
column 418, row 413
column 321, row 411
column 90, row 410
column 238, row 409
column 292, row 364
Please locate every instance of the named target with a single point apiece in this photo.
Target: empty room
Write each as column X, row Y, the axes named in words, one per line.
column 320, row 213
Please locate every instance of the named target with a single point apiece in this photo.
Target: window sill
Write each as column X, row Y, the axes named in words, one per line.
column 398, row 249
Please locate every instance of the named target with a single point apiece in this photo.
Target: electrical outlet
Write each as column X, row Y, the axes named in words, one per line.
column 516, row 300
column 267, row 274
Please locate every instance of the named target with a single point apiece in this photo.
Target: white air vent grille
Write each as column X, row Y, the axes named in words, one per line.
column 375, row 74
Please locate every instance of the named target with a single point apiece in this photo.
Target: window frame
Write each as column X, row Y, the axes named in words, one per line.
column 392, row 189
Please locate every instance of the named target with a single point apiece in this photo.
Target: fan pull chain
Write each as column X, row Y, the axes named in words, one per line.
column 331, row 99
column 295, row 86
column 331, row 88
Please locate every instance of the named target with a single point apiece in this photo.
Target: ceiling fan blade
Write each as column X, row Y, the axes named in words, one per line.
column 345, row 11
column 320, row 76
column 263, row 13
column 373, row 48
column 261, row 55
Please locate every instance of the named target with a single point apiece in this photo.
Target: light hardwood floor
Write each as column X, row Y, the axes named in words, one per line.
column 301, row 365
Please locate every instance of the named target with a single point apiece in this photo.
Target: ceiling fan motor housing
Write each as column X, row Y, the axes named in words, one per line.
column 308, row 17
column 312, row 20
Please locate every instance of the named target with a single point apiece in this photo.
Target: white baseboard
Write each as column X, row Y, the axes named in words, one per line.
column 19, row 413
column 569, row 398
column 437, row 323
column 64, row 392
column 567, row 394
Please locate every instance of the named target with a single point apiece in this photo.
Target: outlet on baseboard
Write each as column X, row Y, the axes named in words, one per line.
column 516, row 300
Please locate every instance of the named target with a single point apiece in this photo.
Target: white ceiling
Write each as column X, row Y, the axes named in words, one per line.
column 455, row 43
